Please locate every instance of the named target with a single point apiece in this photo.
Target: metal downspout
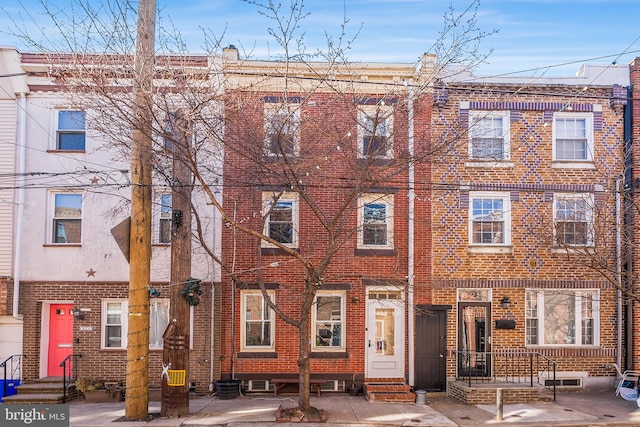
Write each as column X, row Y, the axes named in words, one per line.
column 233, row 292
column 619, row 272
column 411, row 237
column 22, row 138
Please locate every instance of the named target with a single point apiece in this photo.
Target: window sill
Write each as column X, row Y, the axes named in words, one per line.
column 275, row 158
column 490, row 249
column 276, row 251
column 161, row 244
column 316, row 354
column 257, row 355
column 489, row 164
column 62, row 245
column 563, row 346
column 376, row 161
column 573, row 250
column 375, row 252
column 66, row 151
column 556, row 164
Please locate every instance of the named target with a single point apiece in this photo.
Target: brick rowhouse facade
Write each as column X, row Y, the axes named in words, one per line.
column 634, row 70
column 327, row 156
column 90, row 273
column 495, row 233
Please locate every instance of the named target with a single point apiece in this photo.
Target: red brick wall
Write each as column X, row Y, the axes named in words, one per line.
column 328, row 122
column 108, row 364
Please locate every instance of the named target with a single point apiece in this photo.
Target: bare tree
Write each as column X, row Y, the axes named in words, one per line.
column 341, row 146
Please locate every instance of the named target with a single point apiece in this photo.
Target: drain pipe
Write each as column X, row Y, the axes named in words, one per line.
column 233, row 291
column 411, row 236
column 619, row 272
column 212, row 337
column 22, row 150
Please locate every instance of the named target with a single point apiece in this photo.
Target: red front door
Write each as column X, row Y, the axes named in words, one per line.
column 60, row 337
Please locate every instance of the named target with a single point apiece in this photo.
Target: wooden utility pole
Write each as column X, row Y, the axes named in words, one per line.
column 175, row 398
column 137, row 397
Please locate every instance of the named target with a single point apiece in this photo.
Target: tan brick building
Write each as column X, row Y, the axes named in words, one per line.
column 524, row 213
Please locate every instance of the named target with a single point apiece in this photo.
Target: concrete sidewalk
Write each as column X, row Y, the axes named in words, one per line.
column 570, row 409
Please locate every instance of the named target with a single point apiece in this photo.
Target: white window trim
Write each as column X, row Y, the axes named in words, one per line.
column 157, row 216
column 342, row 295
column 268, row 198
column 386, row 199
column 124, row 305
column 578, row 333
column 589, row 198
column 371, row 110
column 243, row 318
column 506, row 216
column 271, row 108
column 474, row 117
column 52, row 209
column 53, row 133
column 577, row 163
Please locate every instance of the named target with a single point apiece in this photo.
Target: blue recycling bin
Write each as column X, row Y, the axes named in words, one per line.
column 11, row 388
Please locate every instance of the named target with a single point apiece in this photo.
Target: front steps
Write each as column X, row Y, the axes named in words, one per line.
column 389, row 392
column 42, row 391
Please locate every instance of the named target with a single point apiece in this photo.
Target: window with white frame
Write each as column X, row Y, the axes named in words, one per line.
column 573, row 219
column 115, row 325
column 328, row 321
column 562, row 317
column 281, row 129
column 573, row 137
column 375, row 132
column 375, row 220
column 258, row 321
column 164, row 217
column 489, row 218
column 67, row 218
column 71, row 130
column 489, row 135
column 158, row 321
column 281, row 218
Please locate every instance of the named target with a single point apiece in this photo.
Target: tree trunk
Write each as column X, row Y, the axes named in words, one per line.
column 303, row 363
column 305, row 346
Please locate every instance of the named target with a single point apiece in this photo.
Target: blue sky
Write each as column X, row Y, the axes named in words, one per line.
column 532, row 34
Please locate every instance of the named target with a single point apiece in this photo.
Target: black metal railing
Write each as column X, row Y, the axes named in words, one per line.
column 15, row 369
column 507, row 366
column 69, row 372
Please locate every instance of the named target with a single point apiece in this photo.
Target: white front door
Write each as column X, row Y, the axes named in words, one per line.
column 385, row 334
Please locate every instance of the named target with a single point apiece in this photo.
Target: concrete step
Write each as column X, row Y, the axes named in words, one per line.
column 391, row 397
column 387, row 387
column 41, row 391
column 33, row 398
column 41, row 387
column 389, row 392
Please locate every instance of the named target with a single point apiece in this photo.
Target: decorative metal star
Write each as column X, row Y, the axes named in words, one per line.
column 91, row 273
column 95, row 180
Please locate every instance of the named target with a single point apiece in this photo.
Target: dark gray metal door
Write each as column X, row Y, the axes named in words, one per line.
column 431, row 347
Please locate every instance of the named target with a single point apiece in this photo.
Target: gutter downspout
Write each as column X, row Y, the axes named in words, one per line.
column 411, row 237
column 22, row 138
column 233, row 293
column 619, row 272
